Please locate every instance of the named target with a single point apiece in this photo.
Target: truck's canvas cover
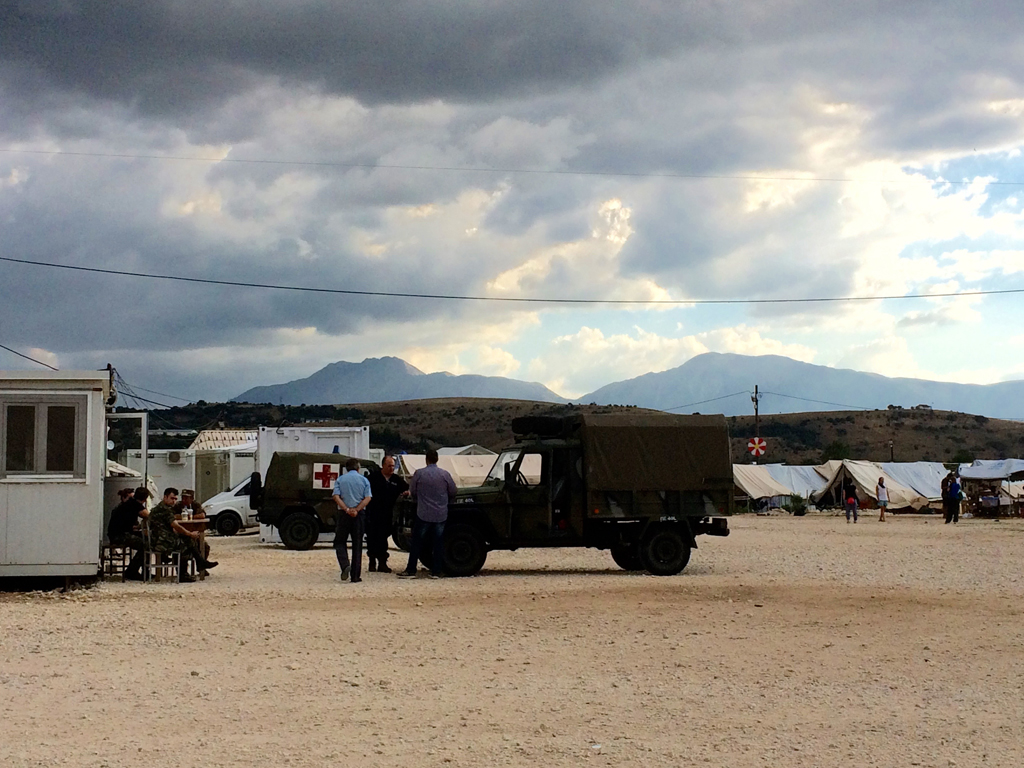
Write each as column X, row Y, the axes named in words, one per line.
column 655, row 451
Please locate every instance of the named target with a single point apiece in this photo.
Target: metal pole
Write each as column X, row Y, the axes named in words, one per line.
column 757, row 418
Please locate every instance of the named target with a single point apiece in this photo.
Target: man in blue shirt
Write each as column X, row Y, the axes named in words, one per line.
column 433, row 488
column 351, row 495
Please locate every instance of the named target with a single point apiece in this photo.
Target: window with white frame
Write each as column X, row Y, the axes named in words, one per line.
column 42, row 435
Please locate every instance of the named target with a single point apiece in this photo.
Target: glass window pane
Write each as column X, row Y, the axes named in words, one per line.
column 60, row 438
column 21, row 438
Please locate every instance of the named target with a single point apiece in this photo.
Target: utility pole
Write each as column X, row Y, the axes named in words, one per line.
column 757, row 419
column 891, row 452
column 757, row 427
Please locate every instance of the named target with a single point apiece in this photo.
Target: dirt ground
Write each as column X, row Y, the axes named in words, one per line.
column 794, row 642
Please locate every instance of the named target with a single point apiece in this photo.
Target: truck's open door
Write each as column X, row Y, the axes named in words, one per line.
column 528, row 486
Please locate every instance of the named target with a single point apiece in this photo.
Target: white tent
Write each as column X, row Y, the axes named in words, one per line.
column 994, row 469
column 467, row 471
column 925, row 477
column 755, row 481
column 864, row 476
column 802, row 481
column 466, row 450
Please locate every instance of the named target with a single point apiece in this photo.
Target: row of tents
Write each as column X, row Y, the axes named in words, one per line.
column 911, row 485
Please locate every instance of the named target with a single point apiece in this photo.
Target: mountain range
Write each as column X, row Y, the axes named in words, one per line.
column 383, row 379
column 709, row 383
column 723, row 383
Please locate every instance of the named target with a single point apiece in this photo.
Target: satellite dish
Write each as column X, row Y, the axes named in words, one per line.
column 110, row 445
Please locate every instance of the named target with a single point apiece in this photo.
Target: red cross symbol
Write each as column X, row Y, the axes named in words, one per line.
column 325, row 476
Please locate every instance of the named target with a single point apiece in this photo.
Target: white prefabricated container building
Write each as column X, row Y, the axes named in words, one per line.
column 348, row 441
column 208, row 472
column 52, row 467
column 174, row 468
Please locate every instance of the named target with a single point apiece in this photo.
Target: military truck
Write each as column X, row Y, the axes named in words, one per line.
column 642, row 485
column 296, row 495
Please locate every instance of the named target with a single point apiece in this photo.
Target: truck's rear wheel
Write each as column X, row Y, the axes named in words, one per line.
column 665, row 551
column 627, row 557
column 401, row 540
column 299, row 531
column 464, row 551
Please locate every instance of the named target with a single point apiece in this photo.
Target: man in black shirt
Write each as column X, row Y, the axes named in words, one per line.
column 121, row 530
column 385, row 487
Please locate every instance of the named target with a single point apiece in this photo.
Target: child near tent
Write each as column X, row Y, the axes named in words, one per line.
column 851, row 507
column 882, row 494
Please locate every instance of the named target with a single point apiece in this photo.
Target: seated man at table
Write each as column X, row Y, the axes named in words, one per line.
column 121, row 530
column 188, row 501
column 168, row 535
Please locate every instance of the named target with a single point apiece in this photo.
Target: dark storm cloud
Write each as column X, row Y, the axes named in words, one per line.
column 169, row 55
column 690, row 88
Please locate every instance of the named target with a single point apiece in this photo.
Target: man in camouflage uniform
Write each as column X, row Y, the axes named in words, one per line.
column 167, row 535
column 188, row 501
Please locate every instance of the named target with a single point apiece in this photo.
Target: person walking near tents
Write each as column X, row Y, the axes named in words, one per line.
column 851, row 506
column 952, row 500
column 882, row 494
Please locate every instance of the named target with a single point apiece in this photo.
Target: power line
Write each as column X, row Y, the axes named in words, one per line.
column 701, row 402
column 127, row 389
column 823, row 402
column 480, row 169
column 508, row 299
column 162, row 394
column 15, row 352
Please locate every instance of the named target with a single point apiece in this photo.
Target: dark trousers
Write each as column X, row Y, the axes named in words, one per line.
column 421, row 530
column 953, row 510
column 345, row 528
column 134, row 567
column 378, row 528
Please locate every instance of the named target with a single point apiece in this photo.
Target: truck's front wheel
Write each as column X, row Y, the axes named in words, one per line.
column 665, row 551
column 299, row 531
column 464, row 551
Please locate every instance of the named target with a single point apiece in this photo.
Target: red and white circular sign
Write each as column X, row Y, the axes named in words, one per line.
column 757, row 446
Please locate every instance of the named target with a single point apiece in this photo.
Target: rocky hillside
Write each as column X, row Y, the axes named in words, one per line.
column 916, row 435
column 796, row 438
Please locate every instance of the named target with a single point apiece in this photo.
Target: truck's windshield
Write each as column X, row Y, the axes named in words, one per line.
column 497, row 473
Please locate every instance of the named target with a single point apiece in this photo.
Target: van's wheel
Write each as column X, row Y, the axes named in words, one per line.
column 665, row 551
column 627, row 557
column 228, row 524
column 464, row 551
column 299, row 531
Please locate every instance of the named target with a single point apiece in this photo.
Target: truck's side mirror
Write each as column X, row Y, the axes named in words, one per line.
column 255, row 491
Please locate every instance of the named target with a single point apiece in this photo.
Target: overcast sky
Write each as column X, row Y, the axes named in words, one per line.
column 856, row 149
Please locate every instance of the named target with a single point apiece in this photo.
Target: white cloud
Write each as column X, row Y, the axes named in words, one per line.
column 45, row 356
column 578, row 363
column 889, row 356
column 586, row 267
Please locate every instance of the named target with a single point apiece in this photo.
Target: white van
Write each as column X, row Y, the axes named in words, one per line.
column 229, row 511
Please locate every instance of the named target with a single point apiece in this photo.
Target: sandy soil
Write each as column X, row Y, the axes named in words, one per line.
column 794, row 642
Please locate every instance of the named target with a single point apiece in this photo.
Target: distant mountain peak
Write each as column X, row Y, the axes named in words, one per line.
column 383, row 379
column 717, row 382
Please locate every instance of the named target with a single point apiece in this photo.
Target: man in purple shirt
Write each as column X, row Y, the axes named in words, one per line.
column 433, row 488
